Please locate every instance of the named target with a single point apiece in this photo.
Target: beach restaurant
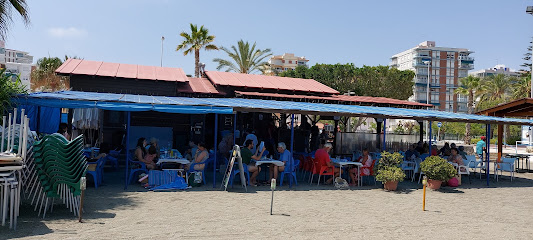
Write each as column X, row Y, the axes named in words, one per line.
column 135, row 100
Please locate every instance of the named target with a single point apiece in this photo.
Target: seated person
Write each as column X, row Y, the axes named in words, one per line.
column 189, row 154
column 200, row 155
column 411, row 152
column 434, row 150
column 462, row 152
column 455, row 157
column 149, row 159
column 247, row 157
column 366, row 160
column 154, row 142
column 284, row 156
column 446, row 150
column 140, row 149
column 323, row 159
column 104, row 151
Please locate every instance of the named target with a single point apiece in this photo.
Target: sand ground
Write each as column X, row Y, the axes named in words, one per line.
column 472, row 211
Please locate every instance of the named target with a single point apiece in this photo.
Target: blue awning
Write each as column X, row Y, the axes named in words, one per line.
column 130, row 102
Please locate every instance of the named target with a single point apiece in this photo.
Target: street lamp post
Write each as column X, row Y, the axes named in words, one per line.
column 529, row 10
column 162, row 39
column 427, row 94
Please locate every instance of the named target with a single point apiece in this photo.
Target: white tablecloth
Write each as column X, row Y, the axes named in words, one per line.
column 269, row 161
column 173, row 160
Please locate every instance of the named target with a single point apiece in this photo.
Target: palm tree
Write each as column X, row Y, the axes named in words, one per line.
column 496, row 90
column 244, row 58
column 471, row 87
column 522, row 87
column 198, row 39
column 6, row 8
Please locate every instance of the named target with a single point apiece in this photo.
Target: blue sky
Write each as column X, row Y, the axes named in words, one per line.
column 360, row 32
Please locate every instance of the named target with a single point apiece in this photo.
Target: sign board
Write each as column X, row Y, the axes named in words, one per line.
column 439, row 124
column 235, row 156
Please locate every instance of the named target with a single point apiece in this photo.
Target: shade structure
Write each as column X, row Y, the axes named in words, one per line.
column 129, row 102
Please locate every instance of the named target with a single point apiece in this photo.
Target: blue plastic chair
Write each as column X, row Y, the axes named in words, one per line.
column 98, row 173
column 206, row 162
column 112, row 160
column 506, row 165
column 236, row 171
column 291, row 172
column 142, row 168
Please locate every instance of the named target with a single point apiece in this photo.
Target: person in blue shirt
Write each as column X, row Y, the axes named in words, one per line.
column 284, row 156
column 411, row 152
column 481, row 147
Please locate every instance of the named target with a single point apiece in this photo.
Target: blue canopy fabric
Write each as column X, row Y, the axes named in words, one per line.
column 130, row 102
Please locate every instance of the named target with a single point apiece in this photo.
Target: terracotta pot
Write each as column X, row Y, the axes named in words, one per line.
column 434, row 184
column 391, row 186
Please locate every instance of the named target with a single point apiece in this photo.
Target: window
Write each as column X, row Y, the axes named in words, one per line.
column 283, row 61
column 290, row 62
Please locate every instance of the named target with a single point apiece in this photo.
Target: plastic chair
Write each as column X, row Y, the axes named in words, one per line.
column 291, row 172
column 205, row 162
column 507, row 165
column 141, row 168
column 98, row 173
column 475, row 164
column 409, row 166
column 370, row 168
column 325, row 171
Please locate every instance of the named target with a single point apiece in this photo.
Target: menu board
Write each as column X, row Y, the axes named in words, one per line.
column 235, row 156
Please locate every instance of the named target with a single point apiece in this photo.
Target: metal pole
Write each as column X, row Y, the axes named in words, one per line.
column 216, row 153
column 488, row 153
column 430, row 130
column 531, row 91
column 234, row 128
column 162, row 39
column 292, row 144
column 127, row 148
column 384, row 146
column 428, row 96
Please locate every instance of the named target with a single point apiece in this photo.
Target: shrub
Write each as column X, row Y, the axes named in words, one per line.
column 436, row 168
column 388, row 169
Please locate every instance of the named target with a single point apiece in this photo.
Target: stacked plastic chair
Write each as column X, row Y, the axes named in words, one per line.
column 58, row 167
column 13, row 158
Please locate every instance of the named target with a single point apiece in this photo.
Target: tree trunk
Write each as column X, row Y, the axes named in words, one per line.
column 470, row 109
column 197, row 63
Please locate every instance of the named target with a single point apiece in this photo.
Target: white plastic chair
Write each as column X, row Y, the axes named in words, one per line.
column 475, row 164
column 507, row 165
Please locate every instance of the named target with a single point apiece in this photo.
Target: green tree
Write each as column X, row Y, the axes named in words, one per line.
column 496, row 89
column 43, row 78
column 378, row 81
column 527, row 60
column 10, row 87
column 470, row 87
column 244, row 58
column 522, row 87
column 198, row 39
column 6, row 17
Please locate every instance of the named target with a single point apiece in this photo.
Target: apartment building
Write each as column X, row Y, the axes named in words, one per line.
column 498, row 69
column 16, row 62
column 287, row 61
column 443, row 66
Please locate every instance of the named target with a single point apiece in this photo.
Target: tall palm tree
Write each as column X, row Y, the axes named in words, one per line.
column 522, row 87
column 198, row 39
column 244, row 58
column 496, row 90
column 469, row 86
column 6, row 17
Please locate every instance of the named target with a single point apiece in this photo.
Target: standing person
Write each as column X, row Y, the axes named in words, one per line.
column 323, row 159
column 314, row 138
column 247, row 157
column 481, row 147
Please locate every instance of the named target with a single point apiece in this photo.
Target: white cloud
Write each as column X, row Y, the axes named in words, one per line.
column 70, row 32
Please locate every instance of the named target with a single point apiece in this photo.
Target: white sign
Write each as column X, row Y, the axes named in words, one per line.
column 439, row 124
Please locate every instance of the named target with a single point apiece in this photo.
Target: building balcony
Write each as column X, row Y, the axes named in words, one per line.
column 419, row 64
column 466, row 66
column 465, row 58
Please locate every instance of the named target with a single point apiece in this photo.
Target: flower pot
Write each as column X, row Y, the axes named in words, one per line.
column 391, row 186
column 434, row 184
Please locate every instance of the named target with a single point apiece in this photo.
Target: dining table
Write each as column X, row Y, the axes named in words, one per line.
column 344, row 162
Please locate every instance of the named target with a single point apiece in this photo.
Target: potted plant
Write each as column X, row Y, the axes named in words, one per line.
column 437, row 170
column 389, row 171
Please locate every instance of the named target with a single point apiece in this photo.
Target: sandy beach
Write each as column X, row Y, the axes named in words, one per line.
column 471, row 211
